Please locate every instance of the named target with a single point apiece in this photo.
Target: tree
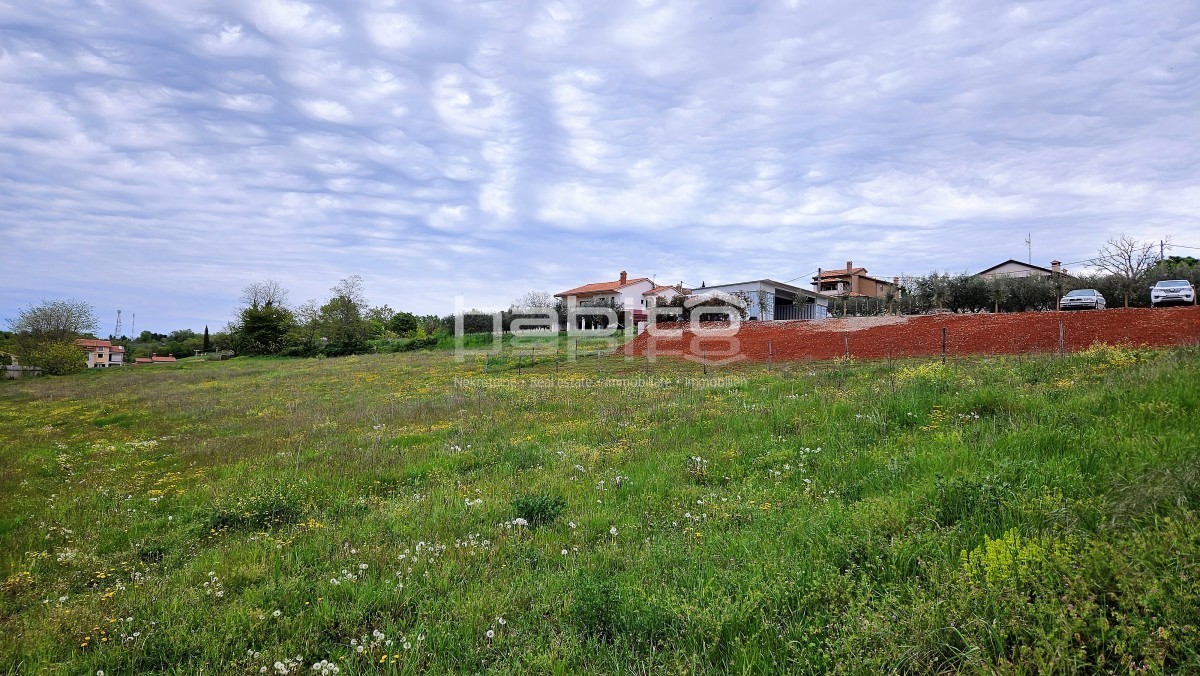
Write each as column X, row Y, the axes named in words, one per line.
column 403, row 323
column 269, row 293
column 1128, row 260
column 207, row 344
column 341, row 318
column 262, row 330
column 1033, row 292
column 967, row 293
column 377, row 321
column 532, row 299
column 55, row 321
column 308, row 323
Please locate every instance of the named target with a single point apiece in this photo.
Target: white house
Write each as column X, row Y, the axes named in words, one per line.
column 770, row 300
column 661, row 294
column 622, row 293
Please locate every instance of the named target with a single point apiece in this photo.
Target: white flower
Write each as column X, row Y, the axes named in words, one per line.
column 362, row 566
column 490, row 634
column 407, row 645
column 334, row 580
column 502, row 621
column 564, row 552
column 613, row 531
column 277, row 613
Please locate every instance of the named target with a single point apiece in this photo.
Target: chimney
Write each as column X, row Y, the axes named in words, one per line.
column 624, row 277
column 1056, row 266
column 849, row 266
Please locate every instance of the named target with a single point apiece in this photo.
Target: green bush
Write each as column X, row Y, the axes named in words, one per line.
column 260, row 508
column 56, row 359
column 538, row 510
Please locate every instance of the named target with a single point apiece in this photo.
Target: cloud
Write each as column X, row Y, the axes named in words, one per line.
column 167, row 154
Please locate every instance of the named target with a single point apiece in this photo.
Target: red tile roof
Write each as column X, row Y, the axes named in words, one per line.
column 659, row 289
column 87, row 342
column 843, row 272
column 600, row 287
column 168, row 359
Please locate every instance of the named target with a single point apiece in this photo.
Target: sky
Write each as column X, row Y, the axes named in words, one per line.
column 157, row 157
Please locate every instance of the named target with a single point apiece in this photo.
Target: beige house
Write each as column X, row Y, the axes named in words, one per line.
column 852, row 282
column 102, row 353
column 1015, row 268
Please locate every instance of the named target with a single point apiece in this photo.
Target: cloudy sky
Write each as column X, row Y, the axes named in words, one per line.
column 156, row 157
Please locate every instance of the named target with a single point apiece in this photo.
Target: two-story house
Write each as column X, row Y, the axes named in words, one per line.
column 853, row 282
column 622, row 294
column 102, row 353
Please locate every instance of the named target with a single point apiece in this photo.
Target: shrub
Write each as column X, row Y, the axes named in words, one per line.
column 260, row 508
column 56, row 359
column 596, row 607
column 962, row 499
column 538, row 510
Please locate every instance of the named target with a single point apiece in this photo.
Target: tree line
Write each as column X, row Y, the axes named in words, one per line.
column 266, row 323
column 940, row 291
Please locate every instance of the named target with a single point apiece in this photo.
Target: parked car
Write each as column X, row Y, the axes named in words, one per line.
column 1082, row 299
column 1172, row 291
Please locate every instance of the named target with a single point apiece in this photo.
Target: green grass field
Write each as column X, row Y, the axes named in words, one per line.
column 1011, row 515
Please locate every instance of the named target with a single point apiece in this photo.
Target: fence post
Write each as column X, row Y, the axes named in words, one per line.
column 846, row 344
column 555, row 360
column 486, row 358
column 1061, row 337
column 943, row 345
column 597, row 360
column 770, row 357
column 518, row 363
column 704, row 358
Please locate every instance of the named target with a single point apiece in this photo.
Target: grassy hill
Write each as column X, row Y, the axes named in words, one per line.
column 407, row 513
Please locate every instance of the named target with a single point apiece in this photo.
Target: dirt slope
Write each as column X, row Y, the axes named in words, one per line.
column 886, row 337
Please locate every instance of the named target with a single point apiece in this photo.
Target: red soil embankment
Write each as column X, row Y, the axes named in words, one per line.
column 915, row 336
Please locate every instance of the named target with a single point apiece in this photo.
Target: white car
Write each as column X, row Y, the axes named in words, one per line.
column 1082, row 299
column 1172, row 291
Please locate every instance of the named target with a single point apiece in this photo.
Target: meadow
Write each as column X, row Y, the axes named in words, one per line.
column 405, row 513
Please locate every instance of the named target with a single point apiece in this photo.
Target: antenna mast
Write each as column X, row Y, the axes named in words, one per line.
column 117, row 331
column 1029, row 246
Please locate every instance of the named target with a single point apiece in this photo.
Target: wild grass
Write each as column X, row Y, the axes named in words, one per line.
column 407, row 513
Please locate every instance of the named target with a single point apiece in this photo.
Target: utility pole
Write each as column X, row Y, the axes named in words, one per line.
column 1029, row 246
column 1161, row 247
